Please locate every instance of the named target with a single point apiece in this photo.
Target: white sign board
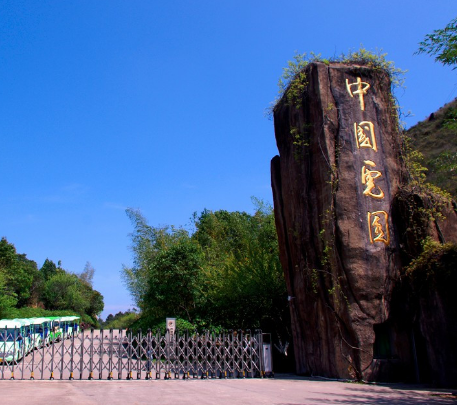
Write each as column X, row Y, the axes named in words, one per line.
column 171, row 326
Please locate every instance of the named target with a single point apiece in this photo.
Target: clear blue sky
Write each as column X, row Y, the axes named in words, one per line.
column 109, row 104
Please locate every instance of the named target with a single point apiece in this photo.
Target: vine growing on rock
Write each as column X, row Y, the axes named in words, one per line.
column 293, row 83
column 293, row 80
column 434, row 269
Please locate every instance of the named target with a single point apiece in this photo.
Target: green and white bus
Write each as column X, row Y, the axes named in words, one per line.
column 69, row 326
column 41, row 331
column 55, row 330
column 15, row 341
column 32, row 327
column 21, row 335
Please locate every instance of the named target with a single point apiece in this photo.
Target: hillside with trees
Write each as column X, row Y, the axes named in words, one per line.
column 436, row 139
column 27, row 291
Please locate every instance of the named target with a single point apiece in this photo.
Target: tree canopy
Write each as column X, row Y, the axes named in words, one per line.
column 226, row 274
column 23, row 286
column 442, row 43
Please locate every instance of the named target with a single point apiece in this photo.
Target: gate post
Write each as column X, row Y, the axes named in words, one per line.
column 110, row 361
column 81, row 360
column 176, row 354
column 261, row 359
column 24, row 353
column 72, row 352
column 159, row 355
column 32, row 376
column 62, row 355
column 101, row 351
column 139, row 349
column 91, row 350
column 129, row 354
column 224, row 356
column 149, row 355
column 14, row 352
column 167, row 354
column 120, row 350
column 45, row 344
column 52, row 355
column 267, row 356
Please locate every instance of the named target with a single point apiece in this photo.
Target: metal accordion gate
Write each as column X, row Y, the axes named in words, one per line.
column 100, row 354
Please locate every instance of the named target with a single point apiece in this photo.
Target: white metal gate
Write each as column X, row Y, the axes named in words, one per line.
column 100, row 354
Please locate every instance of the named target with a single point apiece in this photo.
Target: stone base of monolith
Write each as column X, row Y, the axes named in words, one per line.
column 334, row 182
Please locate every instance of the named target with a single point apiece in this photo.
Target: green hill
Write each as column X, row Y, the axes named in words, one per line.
column 436, row 139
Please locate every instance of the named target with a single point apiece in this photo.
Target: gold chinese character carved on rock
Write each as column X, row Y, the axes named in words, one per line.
column 368, row 178
column 361, row 90
column 378, row 227
column 365, row 136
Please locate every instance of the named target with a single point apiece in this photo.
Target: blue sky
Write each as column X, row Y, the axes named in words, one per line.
column 160, row 106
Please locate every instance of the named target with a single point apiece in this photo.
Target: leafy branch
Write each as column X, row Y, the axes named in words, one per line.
column 442, row 43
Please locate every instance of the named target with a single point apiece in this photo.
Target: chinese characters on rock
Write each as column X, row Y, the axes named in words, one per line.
column 365, row 137
column 362, row 88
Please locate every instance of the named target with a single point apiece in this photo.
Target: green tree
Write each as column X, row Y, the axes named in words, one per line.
column 147, row 243
column 96, row 303
column 166, row 265
column 121, row 320
column 30, row 269
column 244, row 280
column 442, row 43
column 22, row 286
column 174, row 280
column 227, row 273
column 7, row 298
column 20, row 274
column 48, row 270
column 64, row 291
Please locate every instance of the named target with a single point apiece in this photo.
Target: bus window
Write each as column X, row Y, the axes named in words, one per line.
column 9, row 334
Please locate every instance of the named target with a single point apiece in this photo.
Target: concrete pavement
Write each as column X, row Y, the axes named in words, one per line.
column 283, row 390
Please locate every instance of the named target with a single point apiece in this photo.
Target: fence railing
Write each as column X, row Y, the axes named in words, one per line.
column 118, row 354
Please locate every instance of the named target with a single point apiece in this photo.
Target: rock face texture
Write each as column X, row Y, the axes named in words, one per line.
column 335, row 181
column 424, row 301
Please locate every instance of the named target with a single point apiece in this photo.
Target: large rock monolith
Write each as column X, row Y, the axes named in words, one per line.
column 338, row 170
column 368, row 253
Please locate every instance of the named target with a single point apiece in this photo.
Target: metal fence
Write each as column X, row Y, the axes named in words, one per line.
column 99, row 354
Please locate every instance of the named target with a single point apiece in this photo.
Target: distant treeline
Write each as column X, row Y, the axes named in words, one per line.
column 121, row 320
column 27, row 291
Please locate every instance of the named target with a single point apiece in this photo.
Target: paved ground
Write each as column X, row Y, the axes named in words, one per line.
column 282, row 390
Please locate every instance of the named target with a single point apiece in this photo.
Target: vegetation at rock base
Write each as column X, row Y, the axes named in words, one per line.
column 435, row 267
column 224, row 275
column 27, row 291
column 429, row 282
